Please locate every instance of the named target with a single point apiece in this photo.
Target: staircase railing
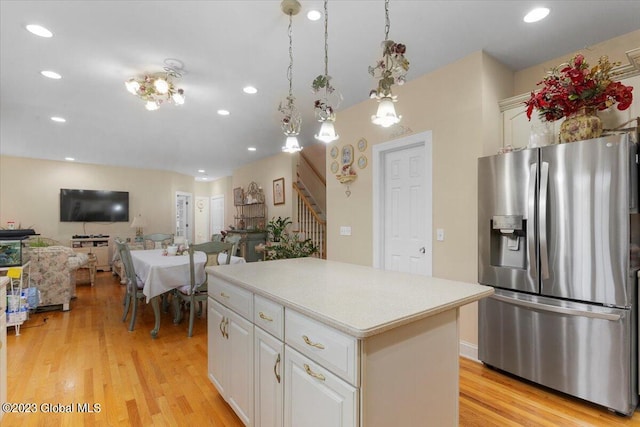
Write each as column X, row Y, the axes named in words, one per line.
column 309, row 223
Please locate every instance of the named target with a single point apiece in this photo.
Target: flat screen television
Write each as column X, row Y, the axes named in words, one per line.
column 93, row 206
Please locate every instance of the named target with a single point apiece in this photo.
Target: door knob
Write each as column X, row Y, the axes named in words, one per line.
column 422, row 250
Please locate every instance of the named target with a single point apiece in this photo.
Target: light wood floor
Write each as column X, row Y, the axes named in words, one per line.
column 87, row 355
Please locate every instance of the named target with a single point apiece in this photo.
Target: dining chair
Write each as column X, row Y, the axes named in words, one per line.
column 235, row 239
column 197, row 292
column 157, row 240
column 133, row 284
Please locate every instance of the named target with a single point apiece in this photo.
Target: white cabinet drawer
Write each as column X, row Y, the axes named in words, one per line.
column 331, row 348
column 269, row 316
column 234, row 297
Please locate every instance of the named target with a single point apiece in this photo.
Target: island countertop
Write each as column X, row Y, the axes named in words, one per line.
column 360, row 301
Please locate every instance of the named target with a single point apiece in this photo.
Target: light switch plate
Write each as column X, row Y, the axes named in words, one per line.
column 345, row 230
column 440, row 234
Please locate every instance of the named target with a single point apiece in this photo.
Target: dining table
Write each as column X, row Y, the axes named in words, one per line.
column 162, row 273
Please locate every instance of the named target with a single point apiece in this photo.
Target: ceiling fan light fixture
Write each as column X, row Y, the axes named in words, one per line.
column 157, row 89
column 161, row 85
column 151, row 105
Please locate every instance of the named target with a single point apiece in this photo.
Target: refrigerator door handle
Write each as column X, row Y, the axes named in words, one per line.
column 531, row 215
column 560, row 310
column 542, row 218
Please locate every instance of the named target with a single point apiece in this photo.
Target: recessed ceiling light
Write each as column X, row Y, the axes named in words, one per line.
column 200, row 170
column 250, row 90
column 69, row 159
column 536, row 15
column 51, row 74
column 58, row 119
column 223, row 112
column 252, row 148
column 39, row 30
column 314, row 15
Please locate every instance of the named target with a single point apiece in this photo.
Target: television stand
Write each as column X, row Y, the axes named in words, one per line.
column 99, row 246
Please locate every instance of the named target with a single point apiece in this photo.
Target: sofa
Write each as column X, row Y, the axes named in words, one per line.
column 53, row 273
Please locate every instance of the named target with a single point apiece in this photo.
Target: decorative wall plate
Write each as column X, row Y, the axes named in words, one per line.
column 362, row 144
column 334, row 167
column 334, row 152
column 362, row 162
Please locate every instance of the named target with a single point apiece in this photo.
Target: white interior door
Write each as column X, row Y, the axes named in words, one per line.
column 201, row 220
column 184, row 215
column 402, row 201
column 217, row 214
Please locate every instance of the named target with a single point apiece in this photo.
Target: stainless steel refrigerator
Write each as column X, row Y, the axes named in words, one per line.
column 559, row 239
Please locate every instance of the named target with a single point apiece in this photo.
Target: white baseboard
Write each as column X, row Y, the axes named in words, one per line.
column 468, row 350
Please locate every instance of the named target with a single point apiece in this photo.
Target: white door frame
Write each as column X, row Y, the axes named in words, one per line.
column 379, row 150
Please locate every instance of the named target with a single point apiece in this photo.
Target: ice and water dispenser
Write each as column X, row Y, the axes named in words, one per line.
column 508, row 241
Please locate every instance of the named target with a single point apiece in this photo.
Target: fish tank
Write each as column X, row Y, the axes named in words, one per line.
column 13, row 253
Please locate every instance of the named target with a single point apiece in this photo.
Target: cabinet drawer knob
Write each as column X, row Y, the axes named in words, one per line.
column 223, row 295
column 313, row 374
column 311, row 343
column 265, row 317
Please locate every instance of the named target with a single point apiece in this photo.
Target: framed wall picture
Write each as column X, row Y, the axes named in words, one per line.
column 347, row 155
column 238, row 196
column 278, row 191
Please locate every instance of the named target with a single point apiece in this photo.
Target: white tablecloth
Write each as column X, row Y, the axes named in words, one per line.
column 162, row 273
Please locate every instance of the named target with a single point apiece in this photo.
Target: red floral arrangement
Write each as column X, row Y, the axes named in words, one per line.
column 575, row 86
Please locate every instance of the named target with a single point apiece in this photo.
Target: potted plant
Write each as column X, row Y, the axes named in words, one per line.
column 277, row 227
column 575, row 91
column 291, row 246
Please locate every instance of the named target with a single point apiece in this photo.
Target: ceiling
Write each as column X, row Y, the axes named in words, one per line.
column 226, row 45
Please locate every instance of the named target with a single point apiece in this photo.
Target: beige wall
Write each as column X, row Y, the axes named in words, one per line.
column 263, row 172
column 615, row 49
column 30, row 189
column 458, row 103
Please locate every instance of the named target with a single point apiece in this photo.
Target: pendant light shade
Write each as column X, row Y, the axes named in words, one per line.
column 328, row 97
column 386, row 114
column 327, row 132
column 390, row 70
column 291, row 119
column 291, row 145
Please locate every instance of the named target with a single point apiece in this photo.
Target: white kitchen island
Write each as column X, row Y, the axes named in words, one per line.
column 308, row 342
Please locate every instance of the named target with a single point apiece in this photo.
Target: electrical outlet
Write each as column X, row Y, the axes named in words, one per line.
column 345, row 230
column 440, row 234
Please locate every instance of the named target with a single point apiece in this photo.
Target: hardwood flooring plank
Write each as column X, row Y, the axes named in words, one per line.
column 87, row 356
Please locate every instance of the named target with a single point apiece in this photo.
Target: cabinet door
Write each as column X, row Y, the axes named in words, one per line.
column 314, row 397
column 217, row 345
column 102, row 257
column 240, row 366
column 268, row 382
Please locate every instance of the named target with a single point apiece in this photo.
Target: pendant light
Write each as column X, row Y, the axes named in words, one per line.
column 329, row 100
column 291, row 120
column 391, row 69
